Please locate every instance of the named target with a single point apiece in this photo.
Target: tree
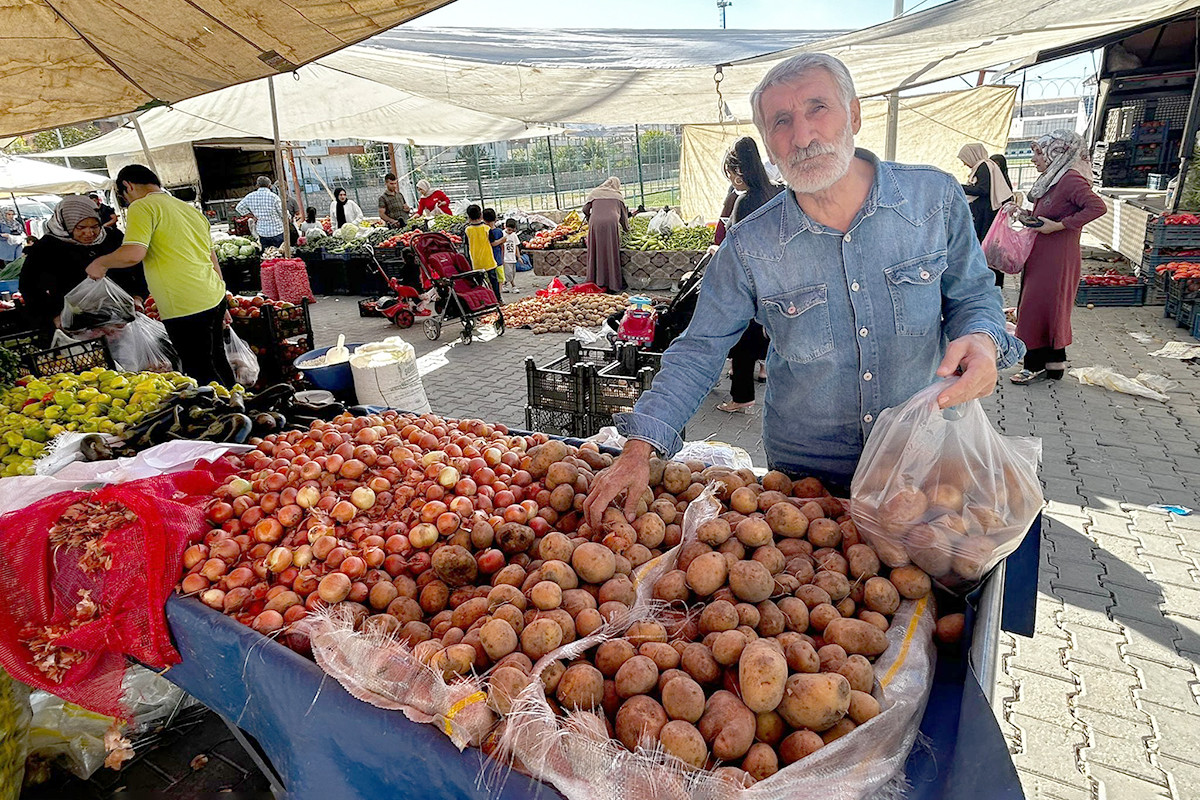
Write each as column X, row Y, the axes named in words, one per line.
column 44, row 141
column 659, row 147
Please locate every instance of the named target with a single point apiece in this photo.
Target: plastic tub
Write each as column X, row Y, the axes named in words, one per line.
column 334, row 378
column 10, row 286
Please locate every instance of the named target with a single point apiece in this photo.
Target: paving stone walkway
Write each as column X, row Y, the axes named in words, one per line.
column 1104, row 701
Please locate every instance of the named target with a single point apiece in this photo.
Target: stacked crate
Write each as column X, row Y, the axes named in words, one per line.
column 277, row 337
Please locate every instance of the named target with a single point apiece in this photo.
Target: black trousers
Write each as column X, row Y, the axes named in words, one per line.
column 199, row 339
column 745, row 355
column 1037, row 358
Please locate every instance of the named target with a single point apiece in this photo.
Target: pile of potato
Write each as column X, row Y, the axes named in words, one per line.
column 562, row 313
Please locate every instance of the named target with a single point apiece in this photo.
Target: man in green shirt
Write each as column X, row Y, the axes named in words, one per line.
column 171, row 238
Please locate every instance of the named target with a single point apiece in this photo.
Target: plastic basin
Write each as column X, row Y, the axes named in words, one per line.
column 10, row 286
column 334, row 378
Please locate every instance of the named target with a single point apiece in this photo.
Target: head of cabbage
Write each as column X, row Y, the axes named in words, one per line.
column 348, row 232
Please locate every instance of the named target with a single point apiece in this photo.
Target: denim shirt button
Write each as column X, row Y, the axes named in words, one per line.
column 846, row 238
column 854, row 287
column 791, row 309
column 867, row 376
column 868, row 418
column 862, row 332
column 924, row 275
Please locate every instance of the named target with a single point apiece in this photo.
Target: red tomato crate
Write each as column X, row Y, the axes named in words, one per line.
column 1111, row 296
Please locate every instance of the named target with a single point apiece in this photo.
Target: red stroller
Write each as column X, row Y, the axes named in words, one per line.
column 463, row 293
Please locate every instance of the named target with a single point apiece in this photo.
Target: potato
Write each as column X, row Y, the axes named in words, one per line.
column 727, row 647
column 786, row 520
column 645, row 631
column 971, row 557
column 638, row 675
column 824, row 533
column 857, row 670
column 862, row 707
column 672, row 587
column 768, row 498
column 911, row 582
column 498, row 638
column 802, row 657
column 813, row 510
column 594, row 563
column 949, row 628
column 903, row 508
column 945, row 496
column 639, row 721
column 504, row 684
column 822, row 615
column 751, row 581
column 862, row 561
column 619, row 588
column 651, row 530
column 929, row 549
column 850, row 533
column 467, row 613
column 813, row 596
column 834, row 583
column 683, row 699
column 707, row 573
column 828, row 559
column 832, row 657
column 718, row 616
column 588, row 621
column 513, row 538
column 798, row 745
column 744, row 500
column 698, row 662
column 676, row 477
column 761, row 761
column 681, row 739
column 762, row 673
column 771, row 620
column 727, row 725
column 733, row 777
column 795, row 612
column 581, row 686
column 690, row 552
column 891, row 553
column 856, row 636
column 540, row 637
column 546, row 595
column 714, row 532
column 839, row 729
column 775, row 481
column 880, row 595
column 875, row 618
column 747, row 615
column 753, row 532
column 770, row 557
column 663, row 655
column 610, row 655
column 815, row 702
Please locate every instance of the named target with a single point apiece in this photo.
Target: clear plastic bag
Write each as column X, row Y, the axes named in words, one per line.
column 143, row 345
column 1008, row 242
column 944, row 490
column 96, row 304
column 241, row 359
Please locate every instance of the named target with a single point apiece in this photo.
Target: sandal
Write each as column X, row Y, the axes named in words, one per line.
column 1025, row 377
column 736, row 408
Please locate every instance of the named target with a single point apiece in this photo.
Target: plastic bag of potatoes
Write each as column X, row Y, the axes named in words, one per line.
column 944, row 490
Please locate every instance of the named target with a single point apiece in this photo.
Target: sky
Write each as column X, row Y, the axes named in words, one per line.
column 1053, row 79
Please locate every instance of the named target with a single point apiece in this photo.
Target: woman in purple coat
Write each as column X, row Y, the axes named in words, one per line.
column 607, row 216
column 1064, row 201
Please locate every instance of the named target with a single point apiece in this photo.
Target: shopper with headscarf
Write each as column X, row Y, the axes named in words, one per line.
column 607, row 216
column 343, row 210
column 746, row 173
column 432, row 201
column 986, row 191
column 12, row 236
column 1064, row 201
column 57, row 263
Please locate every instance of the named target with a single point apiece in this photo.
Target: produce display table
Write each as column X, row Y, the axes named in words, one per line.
column 642, row 269
column 325, row 743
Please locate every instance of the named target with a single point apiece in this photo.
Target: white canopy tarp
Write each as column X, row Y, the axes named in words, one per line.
column 933, row 128
column 68, row 61
column 318, row 103
column 28, row 176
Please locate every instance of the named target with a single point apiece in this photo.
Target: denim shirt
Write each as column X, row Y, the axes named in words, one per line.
column 858, row 320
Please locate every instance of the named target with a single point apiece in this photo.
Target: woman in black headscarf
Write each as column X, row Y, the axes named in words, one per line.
column 57, row 263
column 343, row 210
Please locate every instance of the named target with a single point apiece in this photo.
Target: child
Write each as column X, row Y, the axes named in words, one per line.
column 512, row 253
column 496, row 236
column 479, row 246
column 310, row 226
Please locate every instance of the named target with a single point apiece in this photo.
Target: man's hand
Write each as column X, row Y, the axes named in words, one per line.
column 630, row 473
column 96, row 271
column 228, row 318
column 975, row 354
column 1050, row 226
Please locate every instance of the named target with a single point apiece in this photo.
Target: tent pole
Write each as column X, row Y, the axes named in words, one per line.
column 637, row 140
column 145, row 147
column 1188, row 143
column 893, row 111
column 280, row 176
column 58, row 133
column 478, row 173
column 291, row 156
column 553, row 176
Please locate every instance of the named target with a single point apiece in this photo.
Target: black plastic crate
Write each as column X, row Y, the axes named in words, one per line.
column 561, row 385
column 288, row 323
column 14, row 320
column 1110, row 296
column 22, row 343
column 1159, row 234
column 613, row 389
column 254, row 331
column 553, row 421
column 1176, row 292
column 92, row 354
column 1195, row 326
column 600, row 355
column 1187, row 314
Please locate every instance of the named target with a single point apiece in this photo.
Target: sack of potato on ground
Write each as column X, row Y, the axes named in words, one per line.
column 944, row 490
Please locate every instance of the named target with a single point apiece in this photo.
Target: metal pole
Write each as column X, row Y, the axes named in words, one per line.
column 300, row 198
column 478, row 174
column 893, row 112
column 58, row 133
column 1188, row 143
column 280, row 177
column 553, row 176
column 145, row 147
column 637, row 140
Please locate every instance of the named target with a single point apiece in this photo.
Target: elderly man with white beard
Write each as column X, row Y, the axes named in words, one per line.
column 866, row 275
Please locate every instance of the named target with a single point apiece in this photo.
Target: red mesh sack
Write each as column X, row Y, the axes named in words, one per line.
column 266, row 275
column 291, row 281
column 79, row 619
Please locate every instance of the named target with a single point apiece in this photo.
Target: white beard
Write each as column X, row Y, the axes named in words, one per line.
column 818, row 166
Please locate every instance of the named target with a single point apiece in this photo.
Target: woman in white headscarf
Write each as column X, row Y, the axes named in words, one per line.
column 431, row 201
column 1064, row 201
column 607, row 216
column 986, row 190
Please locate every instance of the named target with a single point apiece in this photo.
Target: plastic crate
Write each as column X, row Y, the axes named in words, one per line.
column 1187, row 314
column 290, row 323
column 561, row 385
column 1159, row 234
column 1196, row 326
column 1110, row 296
column 14, row 320
column 92, row 354
column 600, row 355
column 552, row 421
column 22, row 343
column 613, row 389
column 1176, row 292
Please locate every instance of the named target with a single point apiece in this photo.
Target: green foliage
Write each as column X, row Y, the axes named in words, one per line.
column 9, row 364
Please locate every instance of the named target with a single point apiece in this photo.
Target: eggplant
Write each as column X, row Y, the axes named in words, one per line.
column 271, row 398
column 232, row 428
column 300, row 422
column 324, row 411
column 265, row 423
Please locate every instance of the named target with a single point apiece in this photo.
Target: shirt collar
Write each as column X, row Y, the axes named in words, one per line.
column 885, row 192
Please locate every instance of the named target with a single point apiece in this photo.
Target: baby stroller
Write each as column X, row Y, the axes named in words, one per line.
column 463, row 293
column 400, row 304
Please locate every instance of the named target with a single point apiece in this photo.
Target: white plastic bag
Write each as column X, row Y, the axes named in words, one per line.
column 386, row 374
column 142, row 345
column 664, row 223
column 241, row 359
column 944, row 489
column 1155, row 388
column 96, row 304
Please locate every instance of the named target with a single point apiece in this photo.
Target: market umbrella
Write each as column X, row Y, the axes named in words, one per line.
column 28, row 176
column 68, row 61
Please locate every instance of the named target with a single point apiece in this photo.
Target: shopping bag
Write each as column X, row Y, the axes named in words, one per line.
column 142, row 345
column 96, row 304
column 1008, row 242
column 944, row 490
column 241, row 359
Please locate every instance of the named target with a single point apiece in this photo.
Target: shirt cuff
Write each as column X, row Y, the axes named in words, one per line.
column 662, row 436
column 1009, row 349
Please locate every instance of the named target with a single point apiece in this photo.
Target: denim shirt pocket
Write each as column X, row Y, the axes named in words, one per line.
column 798, row 323
column 915, row 286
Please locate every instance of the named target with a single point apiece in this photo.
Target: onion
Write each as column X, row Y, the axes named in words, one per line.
column 194, row 583
column 268, row 622
column 213, row 569
column 423, row 535
column 303, row 556
column 194, row 555
column 333, row 588
column 268, row 531
column 362, row 497
column 235, row 599
column 279, row 559
column 239, row 487
column 343, row 511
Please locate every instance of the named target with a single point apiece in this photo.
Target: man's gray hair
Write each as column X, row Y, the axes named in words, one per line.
column 793, row 68
column 263, row 182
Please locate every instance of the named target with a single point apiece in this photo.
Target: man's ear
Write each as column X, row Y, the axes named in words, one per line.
column 855, row 116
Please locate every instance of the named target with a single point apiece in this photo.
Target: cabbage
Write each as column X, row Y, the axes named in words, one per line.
column 246, row 251
column 348, row 232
